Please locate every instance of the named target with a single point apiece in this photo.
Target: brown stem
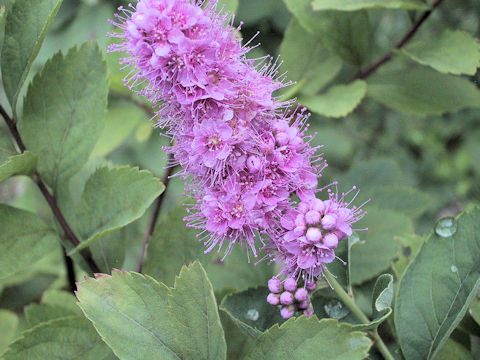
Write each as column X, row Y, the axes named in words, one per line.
column 406, row 38
column 146, row 109
column 71, row 278
column 154, row 217
column 51, row 200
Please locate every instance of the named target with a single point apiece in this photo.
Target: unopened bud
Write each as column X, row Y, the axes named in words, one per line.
column 301, row 294
column 275, row 285
column 286, row 298
column 273, row 299
column 290, row 284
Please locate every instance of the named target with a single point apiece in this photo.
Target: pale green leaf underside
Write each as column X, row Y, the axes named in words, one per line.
column 140, row 318
column 26, row 24
column 8, row 328
column 65, row 338
column 21, row 164
column 113, row 198
column 24, row 240
column 308, row 338
column 338, row 101
column 64, row 112
column 349, row 5
column 422, row 91
column 437, row 288
column 451, row 52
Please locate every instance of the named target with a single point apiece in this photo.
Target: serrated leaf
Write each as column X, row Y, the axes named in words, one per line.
column 382, row 298
column 193, row 294
column 375, row 255
column 250, row 311
column 66, row 338
column 451, row 52
column 308, row 338
column 411, row 91
column 349, row 5
column 173, row 244
column 64, row 111
column 121, row 119
column 113, row 198
column 21, row 164
column 337, row 101
column 345, row 34
column 26, row 24
column 24, row 240
column 404, row 199
column 437, row 288
column 133, row 313
column 306, row 60
column 8, row 328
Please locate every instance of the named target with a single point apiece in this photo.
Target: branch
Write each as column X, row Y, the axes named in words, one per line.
column 153, row 220
column 406, row 38
column 51, row 200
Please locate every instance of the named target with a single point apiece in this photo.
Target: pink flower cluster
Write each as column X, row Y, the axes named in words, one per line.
column 243, row 150
column 289, row 297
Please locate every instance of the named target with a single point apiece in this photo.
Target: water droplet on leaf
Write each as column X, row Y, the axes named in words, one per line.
column 453, row 268
column 335, row 309
column 446, row 227
column 252, row 314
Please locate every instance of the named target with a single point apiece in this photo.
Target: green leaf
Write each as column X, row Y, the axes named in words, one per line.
column 113, row 198
column 21, row 164
column 24, row 240
column 66, row 338
column 411, row 91
column 349, row 5
column 109, row 250
column 383, row 225
column 228, row 5
column 338, row 101
column 475, row 311
column 193, row 294
column 140, row 318
column 382, row 298
column 345, row 34
column 438, row 287
column 250, row 311
column 122, row 118
column 308, row 338
column 411, row 244
column 173, row 244
column 451, row 52
column 64, row 112
column 307, row 61
column 55, row 305
column 26, row 24
column 8, row 328
column 452, row 350
column 404, row 199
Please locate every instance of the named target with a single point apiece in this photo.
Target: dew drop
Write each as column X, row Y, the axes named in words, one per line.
column 252, row 314
column 335, row 309
column 446, row 227
column 453, row 269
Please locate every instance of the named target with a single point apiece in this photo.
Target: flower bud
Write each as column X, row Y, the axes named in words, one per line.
column 330, row 240
column 313, row 234
column 301, row 294
column 310, row 285
column 290, row 284
column 275, row 285
column 286, row 298
column 287, row 311
column 303, row 305
column 253, row 164
column 329, row 222
column 282, row 138
column 318, row 205
column 309, row 311
column 273, row 299
column 312, row 217
column 303, row 207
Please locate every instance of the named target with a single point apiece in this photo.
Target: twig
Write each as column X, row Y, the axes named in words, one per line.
column 406, row 38
column 51, row 200
column 154, row 218
column 71, row 278
column 146, row 109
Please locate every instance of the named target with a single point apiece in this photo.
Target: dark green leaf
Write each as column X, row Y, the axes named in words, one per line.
column 308, row 338
column 438, row 287
column 451, row 52
column 24, row 240
column 411, row 91
column 404, row 199
column 250, row 311
column 66, row 338
column 64, row 112
column 452, row 350
column 26, row 24
column 349, row 5
column 140, row 318
column 337, row 101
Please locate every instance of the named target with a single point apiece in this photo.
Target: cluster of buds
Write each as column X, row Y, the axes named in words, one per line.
column 291, row 298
